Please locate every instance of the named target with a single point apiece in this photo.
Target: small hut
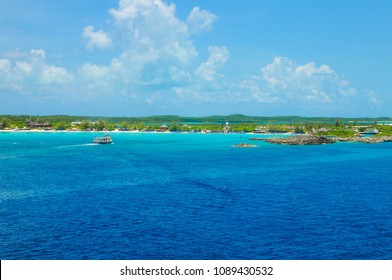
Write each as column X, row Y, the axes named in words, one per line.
column 163, row 128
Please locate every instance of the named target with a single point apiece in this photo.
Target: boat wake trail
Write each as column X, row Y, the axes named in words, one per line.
column 78, row 145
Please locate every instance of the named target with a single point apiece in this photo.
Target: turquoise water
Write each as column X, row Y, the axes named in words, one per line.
column 191, row 196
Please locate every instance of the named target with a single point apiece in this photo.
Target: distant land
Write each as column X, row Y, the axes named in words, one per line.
column 236, row 118
column 341, row 129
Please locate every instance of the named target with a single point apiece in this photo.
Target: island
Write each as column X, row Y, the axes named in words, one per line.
column 285, row 130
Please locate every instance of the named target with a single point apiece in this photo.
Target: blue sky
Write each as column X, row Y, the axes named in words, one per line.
column 196, row 58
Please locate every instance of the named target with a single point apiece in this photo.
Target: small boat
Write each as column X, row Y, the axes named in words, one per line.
column 106, row 139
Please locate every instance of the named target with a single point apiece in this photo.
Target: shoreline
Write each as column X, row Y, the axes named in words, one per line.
column 293, row 139
column 137, row 131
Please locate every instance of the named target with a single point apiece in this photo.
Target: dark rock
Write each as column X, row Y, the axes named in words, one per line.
column 299, row 140
column 368, row 140
column 316, row 140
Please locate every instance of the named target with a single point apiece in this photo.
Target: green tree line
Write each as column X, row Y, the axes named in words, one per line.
column 339, row 127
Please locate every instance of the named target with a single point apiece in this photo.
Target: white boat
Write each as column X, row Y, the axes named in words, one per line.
column 106, row 139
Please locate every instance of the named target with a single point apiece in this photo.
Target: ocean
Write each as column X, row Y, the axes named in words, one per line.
column 192, row 196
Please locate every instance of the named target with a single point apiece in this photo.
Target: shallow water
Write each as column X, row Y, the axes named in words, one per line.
column 191, row 196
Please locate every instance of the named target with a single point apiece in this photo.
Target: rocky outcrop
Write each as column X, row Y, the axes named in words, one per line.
column 299, row 140
column 369, row 140
column 316, row 140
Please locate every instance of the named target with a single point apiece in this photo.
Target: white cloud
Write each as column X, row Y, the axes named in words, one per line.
column 373, row 97
column 23, row 68
column 310, row 69
column 277, row 73
column 8, row 79
column 206, row 84
column 284, row 80
column 156, row 62
column 93, row 72
column 200, row 20
column 5, row 65
column 150, row 29
column 155, row 49
column 38, row 53
column 97, row 39
column 25, row 75
column 208, row 70
column 251, row 91
column 54, row 75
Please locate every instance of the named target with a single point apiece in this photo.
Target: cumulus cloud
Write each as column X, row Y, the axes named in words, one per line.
column 200, row 20
column 25, row 75
column 155, row 48
column 283, row 80
column 151, row 30
column 54, row 75
column 252, row 91
column 155, row 62
column 5, row 65
column 155, row 54
column 98, row 39
column 208, row 70
column 8, row 79
column 38, row 53
column 93, row 72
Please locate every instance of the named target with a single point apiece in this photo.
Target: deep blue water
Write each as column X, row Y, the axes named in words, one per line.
column 192, row 196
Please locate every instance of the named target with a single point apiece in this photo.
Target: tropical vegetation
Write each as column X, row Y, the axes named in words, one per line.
column 331, row 127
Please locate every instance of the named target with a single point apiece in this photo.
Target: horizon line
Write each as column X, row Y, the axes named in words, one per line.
column 204, row 116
